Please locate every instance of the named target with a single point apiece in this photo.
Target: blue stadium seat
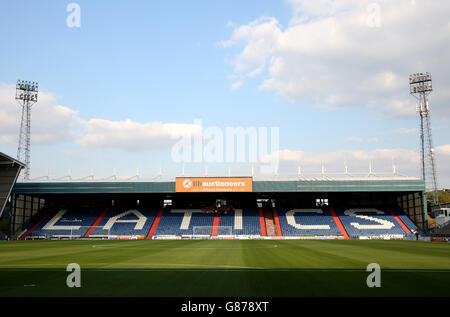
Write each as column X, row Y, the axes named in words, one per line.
column 77, row 222
column 171, row 222
column 307, row 222
column 368, row 222
column 248, row 217
column 315, row 222
column 405, row 219
column 60, row 222
column 127, row 222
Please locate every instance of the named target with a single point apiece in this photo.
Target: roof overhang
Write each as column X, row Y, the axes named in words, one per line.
column 259, row 186
column 9, row 172
column 8, row 160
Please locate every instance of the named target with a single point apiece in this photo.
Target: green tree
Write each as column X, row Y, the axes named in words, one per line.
column 443, row 196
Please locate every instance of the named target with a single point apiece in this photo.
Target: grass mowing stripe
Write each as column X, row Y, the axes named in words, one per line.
column 224, row 268
column 221, row 270
column 207, row 283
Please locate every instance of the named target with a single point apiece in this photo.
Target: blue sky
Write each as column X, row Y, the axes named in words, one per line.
column 175, row 61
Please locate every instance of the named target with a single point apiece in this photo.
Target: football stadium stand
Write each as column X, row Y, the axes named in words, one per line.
column 288, row 222
column 188, row 207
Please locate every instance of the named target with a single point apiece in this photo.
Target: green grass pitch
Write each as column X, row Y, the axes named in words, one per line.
column 225, row 268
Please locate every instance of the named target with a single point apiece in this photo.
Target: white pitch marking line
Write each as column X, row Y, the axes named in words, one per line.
column 34, row 266
column 187, row 248
column 212, row 268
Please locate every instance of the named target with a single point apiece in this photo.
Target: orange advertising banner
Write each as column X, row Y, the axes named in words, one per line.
column 213, row 184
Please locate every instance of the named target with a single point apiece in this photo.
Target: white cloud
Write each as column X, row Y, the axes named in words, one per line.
column 311, row 158
column 236, row 85
column 260, row 37
column 329, row 56
column 50, row 122
column 360, row 140
column 443, row 150
column 404, row 131
column 407, row 162
column 134, row 136
column 355, row 139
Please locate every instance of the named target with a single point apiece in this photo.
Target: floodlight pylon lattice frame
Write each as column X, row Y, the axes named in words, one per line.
column 420, row 86
column 26, row 96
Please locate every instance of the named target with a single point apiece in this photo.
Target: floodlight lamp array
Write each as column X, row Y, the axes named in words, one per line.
column 420, row 83
column 27, row 90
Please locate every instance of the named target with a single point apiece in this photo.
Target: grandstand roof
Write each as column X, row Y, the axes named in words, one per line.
column 9, row 171
column 394, row 184
column 8, row 160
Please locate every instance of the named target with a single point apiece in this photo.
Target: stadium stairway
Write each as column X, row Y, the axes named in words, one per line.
column 399, row 220
column 262, row 222
column 277, row 222
column 96, row 223
column 272, row 222
column 155, row 224
column 405, row 219
column 216, row 221
column 30, row 230
column 338, row 222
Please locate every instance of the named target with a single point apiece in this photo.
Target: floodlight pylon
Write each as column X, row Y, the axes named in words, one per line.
column 26, row 96
column 420, row 86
